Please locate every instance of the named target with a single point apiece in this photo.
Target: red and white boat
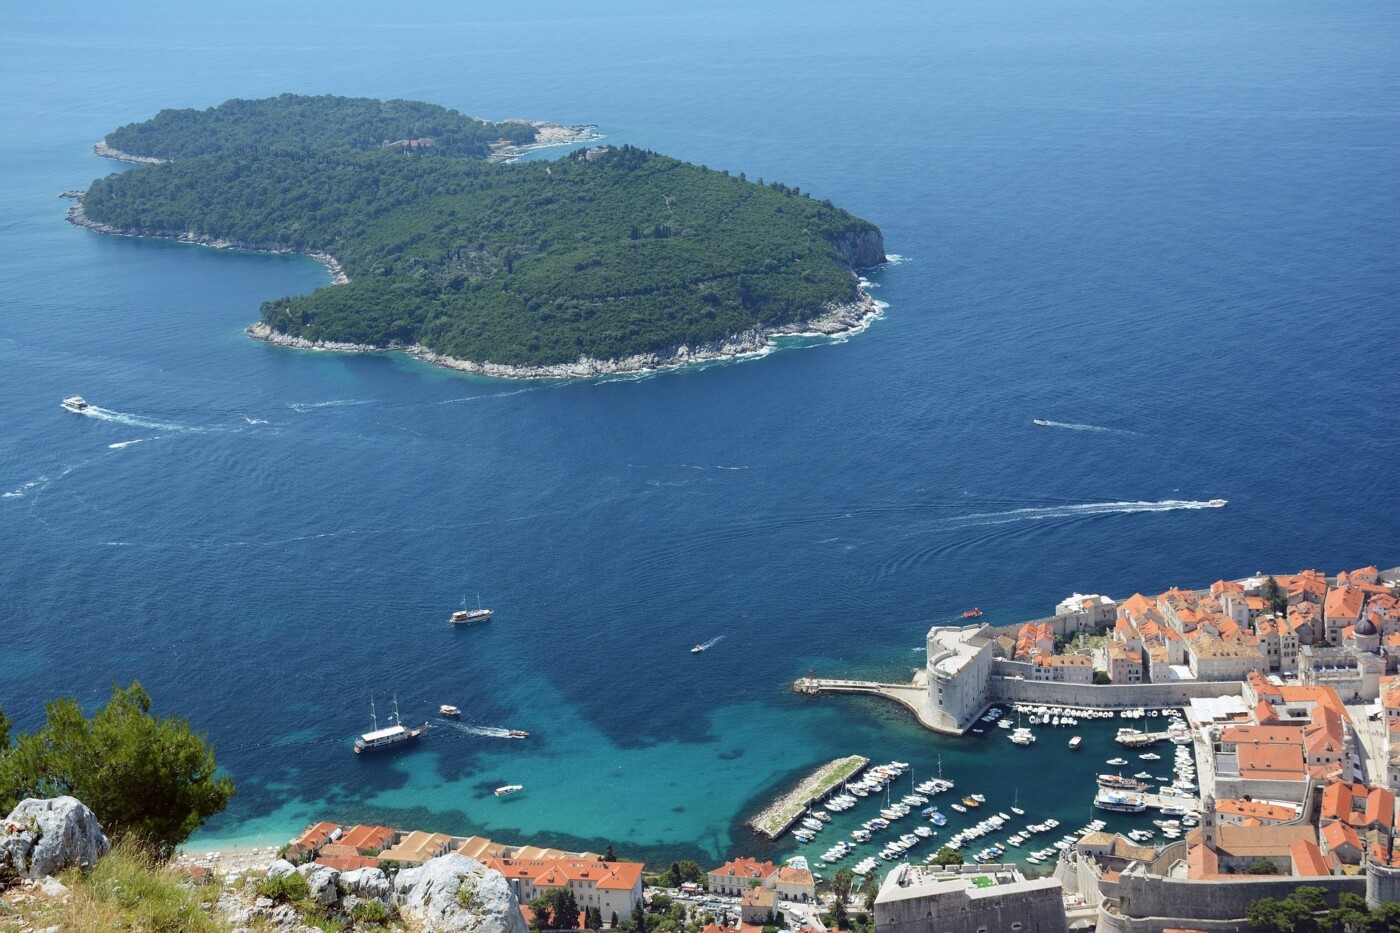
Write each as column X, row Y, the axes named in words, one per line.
column 972, row 613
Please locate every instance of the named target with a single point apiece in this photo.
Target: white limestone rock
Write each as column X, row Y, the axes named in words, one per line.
column 43, row 837
column 368, row 884
column 430, row 895
column 280, row 868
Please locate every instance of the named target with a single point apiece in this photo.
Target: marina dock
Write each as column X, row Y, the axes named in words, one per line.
column 817, row 786
column 1158, row 801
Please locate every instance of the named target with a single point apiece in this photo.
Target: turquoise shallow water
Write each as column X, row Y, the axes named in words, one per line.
column 1170, row 228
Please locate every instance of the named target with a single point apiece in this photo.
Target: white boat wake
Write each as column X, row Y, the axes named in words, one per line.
column 121, row 444
column 1072, row 426
column 493, row 732
column 706, row 646
column 1082, row 510
column 104, row 414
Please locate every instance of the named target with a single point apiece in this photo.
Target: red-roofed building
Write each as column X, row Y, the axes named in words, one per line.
column 312, row 839
column 1341, row 841
column 1341, row 609
column 738, row 875
column 612, row 887
column 1242, row 812
column 363, row 841
column 1308, row 860
column 348, row 862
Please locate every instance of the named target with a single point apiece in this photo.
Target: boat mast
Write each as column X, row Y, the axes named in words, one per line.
column 396, row 711
column 373, row 719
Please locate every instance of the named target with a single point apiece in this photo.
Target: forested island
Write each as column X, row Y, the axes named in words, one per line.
column 608, row 259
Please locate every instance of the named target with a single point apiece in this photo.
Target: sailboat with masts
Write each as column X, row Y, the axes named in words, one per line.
column 378, row 739
column 465, row 616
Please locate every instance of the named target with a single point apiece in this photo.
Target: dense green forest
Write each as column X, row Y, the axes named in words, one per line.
column 298, row 124
column 606, row 253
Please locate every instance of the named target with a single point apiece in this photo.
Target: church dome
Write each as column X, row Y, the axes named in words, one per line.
column 1366, row 626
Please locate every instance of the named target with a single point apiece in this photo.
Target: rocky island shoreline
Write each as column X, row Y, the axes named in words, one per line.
column 848, row 318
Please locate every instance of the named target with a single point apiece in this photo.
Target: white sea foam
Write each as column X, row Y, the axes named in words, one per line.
column 493, row 732
column 712, row 642
column 1083, row 510
column 255, row 420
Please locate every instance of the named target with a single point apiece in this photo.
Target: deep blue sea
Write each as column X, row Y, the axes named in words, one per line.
column 1169, row 227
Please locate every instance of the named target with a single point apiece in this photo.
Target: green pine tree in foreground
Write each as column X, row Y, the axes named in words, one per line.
column 148, row 779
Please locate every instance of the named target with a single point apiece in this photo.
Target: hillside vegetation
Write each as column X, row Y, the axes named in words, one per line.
column 603, row 254
column 293, row 123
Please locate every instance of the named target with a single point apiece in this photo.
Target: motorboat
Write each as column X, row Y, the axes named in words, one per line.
column 1075, row 742
column 465, row 616
column 1117, row 762
column 449, row 712
column 75, row 404
column 508, row 789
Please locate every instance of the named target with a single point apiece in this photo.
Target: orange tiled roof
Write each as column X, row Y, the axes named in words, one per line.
column 1261, row 735
column 557, row 873
column 367, row 837
column 1256, row 810
column 1277, row 762
column 1337, row 835
column 1343, row 602
column 316, row 834
column 1307, row 859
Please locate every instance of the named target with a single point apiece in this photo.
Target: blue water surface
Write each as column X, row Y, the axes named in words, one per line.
column 1170, row 228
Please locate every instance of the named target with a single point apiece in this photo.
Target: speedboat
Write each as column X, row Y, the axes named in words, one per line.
column 75, row 404
column 449, row 712
column 697, row 649
column 1217, row 503
column 508, row 789
column 1117, row 762
column 960, row 808
column 518, row 734
column 1075, row 742
column 974, row 612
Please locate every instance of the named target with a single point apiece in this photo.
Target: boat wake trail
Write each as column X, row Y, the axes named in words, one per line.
column 1082, row 510
column 104, row 414
column 712, row 642
column 302, row 408
column 121, row 444
column 1072, row 426
column 493, row 732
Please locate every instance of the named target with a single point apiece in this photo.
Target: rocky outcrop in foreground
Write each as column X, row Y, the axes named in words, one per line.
column 449, row 894
column 43, row 837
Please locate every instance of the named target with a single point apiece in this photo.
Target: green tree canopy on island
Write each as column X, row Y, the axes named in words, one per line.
column 297, row 123
column 606, row 253
column 146, row 778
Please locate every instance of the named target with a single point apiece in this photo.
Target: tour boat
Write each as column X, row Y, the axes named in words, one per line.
column 449, row 712
column 972, row 613
column 509, row 789
column 378, row 739
column 465, row 616
column 75, row 404
column 1118, row 782
column 1119, row 801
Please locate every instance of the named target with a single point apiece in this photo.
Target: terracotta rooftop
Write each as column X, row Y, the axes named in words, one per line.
column 557, row 873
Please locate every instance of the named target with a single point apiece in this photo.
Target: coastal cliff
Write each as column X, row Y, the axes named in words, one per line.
column 863, row 249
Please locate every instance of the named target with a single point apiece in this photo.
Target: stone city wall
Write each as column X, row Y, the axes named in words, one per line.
column 1147, row 896
column 1108, row 696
